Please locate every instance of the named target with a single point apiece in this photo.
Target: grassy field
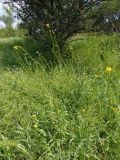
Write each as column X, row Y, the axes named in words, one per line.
column 69, row 112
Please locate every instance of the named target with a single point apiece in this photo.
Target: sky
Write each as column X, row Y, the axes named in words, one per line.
column 2, row 12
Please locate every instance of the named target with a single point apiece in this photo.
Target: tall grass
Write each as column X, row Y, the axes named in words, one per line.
column 12, row 32
column 71, row 112
column 8, row 54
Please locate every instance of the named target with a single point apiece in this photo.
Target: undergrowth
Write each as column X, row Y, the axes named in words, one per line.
column 69, row 112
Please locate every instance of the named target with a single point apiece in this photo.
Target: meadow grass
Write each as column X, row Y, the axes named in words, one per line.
column 9, row 56
column 69, row 112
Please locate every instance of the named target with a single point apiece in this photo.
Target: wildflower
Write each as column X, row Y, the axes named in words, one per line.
column 83, row 110
column 109, row 69
column 35, row 126
column 37, row 52
column 16, row 47
column 47, row 25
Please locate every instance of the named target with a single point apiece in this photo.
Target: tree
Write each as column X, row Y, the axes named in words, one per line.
column 63, row 17
column 106, row 15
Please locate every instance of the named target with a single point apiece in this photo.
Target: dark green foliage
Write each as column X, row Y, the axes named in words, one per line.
column 105, row 16
column 63, row 17
column 67, row 17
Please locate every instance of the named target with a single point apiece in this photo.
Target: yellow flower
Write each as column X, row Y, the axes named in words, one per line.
column 109, row 69
column 37, row 52
column 16, row 47
column 83, row 110
column 47, row 25
column 35, row 126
